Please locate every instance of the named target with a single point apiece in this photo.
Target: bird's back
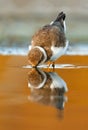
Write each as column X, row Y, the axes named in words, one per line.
column 49, row 35
column 49, row 42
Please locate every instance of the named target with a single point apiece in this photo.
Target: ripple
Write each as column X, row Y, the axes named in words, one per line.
column 60, row 66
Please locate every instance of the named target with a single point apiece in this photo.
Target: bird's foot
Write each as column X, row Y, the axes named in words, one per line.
column 51, row 64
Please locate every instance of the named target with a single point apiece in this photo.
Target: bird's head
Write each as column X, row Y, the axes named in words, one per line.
column 36, row 56
column 36, row 78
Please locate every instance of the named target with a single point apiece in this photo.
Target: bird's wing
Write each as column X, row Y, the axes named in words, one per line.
column 57, row 37
column 42, row 37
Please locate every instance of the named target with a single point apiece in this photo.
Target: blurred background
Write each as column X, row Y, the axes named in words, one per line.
column 19, row 19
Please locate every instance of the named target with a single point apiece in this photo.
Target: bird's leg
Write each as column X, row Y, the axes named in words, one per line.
column 53, row 65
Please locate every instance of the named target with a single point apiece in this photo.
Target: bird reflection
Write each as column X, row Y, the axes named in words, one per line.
column 47, row 88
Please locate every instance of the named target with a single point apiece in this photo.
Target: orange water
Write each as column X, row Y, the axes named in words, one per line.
column 18, row 113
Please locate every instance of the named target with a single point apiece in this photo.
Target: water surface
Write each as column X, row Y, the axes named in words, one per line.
column 17, row 111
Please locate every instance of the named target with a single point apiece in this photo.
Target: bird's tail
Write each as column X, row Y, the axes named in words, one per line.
column 61, row 16
column 61, row 19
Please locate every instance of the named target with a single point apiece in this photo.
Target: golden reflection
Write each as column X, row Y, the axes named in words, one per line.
column 47, row 88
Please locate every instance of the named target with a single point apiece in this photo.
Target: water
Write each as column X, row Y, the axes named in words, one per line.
column 22, row 49
column 22, row 108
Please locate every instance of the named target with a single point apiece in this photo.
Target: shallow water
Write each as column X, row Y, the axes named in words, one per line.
column 22, row 49
column 21, row 108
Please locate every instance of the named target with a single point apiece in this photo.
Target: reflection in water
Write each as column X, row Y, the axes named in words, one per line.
column 47, row 88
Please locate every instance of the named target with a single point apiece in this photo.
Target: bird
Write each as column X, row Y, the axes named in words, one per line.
column 49, row 42
column 39, row 79
column 47, row 88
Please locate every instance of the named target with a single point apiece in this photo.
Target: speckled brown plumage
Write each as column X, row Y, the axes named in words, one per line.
column 45, row 95
column 35, row 78
column 35, row 56
column 48, row 36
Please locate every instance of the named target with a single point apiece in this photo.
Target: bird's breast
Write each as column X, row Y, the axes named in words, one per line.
column 57, row 52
